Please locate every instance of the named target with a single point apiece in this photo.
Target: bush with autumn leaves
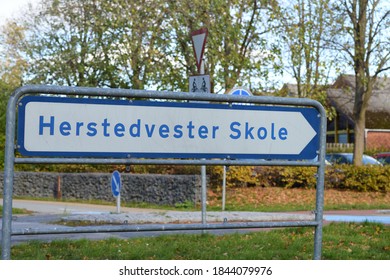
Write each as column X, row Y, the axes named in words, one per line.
column 348, row 177
column 343, row 177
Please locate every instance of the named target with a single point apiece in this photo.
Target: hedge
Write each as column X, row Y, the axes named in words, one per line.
column 344, row 177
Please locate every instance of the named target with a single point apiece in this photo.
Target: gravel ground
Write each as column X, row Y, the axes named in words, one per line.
column 185, row 217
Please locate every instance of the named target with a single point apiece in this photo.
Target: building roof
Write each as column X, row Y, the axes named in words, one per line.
column 341, row 95
column 348, row 81
column 289, row 90
column 378, row 111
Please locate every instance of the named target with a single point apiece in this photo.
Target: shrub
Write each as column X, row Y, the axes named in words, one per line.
column 344, row 177
column 2, row 146
column 236, row 176
column 299, row 177
column 362, row 178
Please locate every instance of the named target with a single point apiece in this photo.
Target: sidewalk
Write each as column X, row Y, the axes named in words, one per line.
column 46, row 215
column 107, row 214
column 69, row 211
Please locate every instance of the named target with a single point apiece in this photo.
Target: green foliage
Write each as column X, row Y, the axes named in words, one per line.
column 3, row 108
column 349, row 177
column 237, row 32
column 304, row 30
column 2, row 146
column 269, row 176
column 15, row 211
column 141, row 44
column 163, row 169
column 187, row 205
column 236, row 176
column 299, row 177
column 343, row 177
column 361, row 178
column 364, row 178
column 65, row 168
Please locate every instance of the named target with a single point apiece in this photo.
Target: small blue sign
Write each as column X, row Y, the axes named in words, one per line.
column 116, row 183
column 240, row 91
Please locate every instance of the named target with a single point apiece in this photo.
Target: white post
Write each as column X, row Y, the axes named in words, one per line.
column 224, row 188
column 118, row 203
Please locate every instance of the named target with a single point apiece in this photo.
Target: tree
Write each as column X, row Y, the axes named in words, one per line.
column 93, row 42
column 64, row 44
column 140, row 29
column 304, row 29
column 146, row 44
column 365, row 39
column 237, row 49
column 12, row 66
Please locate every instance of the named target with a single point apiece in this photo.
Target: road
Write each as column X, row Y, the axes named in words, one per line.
column 46, row 215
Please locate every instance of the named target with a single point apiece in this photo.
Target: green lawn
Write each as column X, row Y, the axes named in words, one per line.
column 341, row 241
column 14, row 211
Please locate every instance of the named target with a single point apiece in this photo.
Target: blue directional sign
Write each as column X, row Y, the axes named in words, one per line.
column 116, row 183
column 56, row 126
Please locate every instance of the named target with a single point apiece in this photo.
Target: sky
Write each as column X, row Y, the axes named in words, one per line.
column 9, row 8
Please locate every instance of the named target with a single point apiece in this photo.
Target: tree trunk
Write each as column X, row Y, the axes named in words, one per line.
column 360, row 125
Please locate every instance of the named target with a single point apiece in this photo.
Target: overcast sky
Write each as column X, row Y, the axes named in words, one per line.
column 8, row 8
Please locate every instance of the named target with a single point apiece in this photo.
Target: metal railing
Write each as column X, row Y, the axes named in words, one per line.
column 11, row 160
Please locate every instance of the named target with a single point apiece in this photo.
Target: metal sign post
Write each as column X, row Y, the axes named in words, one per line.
column 240, row 91
column 199, row 38
column 224, row 188
column 96, row 130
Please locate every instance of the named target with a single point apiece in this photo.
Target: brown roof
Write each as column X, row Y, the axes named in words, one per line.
column 290, row 90
column 378, row 111
column 341, row 95
column 348, row 81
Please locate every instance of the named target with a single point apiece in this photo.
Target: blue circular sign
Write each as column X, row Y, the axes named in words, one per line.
column 241, row 92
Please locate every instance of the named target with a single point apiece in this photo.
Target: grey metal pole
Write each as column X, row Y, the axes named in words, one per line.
column 224, row 188
column 8, row 178
column 203, row 173
column 118, row 204
column 204, row 194
column 320, row 186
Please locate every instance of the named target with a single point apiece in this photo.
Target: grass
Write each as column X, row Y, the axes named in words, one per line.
column 15, row 211
column 342, row 241
column 270, row 199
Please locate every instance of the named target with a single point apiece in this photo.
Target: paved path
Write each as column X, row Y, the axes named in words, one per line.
column 47, row 214
column 102, row 213
column 69, row 211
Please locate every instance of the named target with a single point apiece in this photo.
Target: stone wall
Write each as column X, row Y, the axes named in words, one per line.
column 150, row 188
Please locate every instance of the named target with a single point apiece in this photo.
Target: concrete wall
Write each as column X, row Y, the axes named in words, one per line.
column 150, row 188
